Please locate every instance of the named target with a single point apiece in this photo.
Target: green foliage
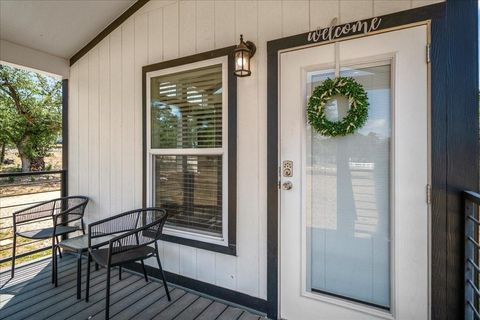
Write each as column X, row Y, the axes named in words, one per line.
column 357, row 114
column 30, row 112
column 197, row 127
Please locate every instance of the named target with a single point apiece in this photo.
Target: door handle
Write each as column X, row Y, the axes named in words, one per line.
column 287, row 185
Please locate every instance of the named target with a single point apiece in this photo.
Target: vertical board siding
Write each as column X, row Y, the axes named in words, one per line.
column 205, row 28
column 386, row 6
column 103, row 204
column 128, row 120
column 351, row 10
column 83, row 126
column 155, row 36
column 93, row 130
column 116, row 122
column 247, row 169
column 295, row 17
column 105, row 116
column 322, row 12
column 170, row 31
column 187, row 25
column 225, row 17
column 73, row 130
column 141, row 58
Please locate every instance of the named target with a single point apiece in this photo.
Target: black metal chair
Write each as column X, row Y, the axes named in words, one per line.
column 137, row 230
column 61, row 211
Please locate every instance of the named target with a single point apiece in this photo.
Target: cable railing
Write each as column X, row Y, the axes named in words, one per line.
column 472, row 263
column 19, row 190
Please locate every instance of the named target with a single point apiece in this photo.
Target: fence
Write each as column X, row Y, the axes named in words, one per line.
column 19, row 190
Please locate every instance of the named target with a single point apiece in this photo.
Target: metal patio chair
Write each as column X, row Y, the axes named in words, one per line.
column 60, row 212
column 137, row 230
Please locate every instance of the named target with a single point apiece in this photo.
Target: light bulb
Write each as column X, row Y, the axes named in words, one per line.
column 241, row 62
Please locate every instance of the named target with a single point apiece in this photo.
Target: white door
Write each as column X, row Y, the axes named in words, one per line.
column 354, row 227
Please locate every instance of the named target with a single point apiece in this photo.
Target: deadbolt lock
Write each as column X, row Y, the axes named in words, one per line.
column 287, row 168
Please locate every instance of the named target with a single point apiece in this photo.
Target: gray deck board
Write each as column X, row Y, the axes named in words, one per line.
column 152, row 288
column 118, row 293
column 158, row 305
column 230, row 313
column 17, row 294
column 176, row 308
column 213, row 311
column 249, row 316
column 72, row 307
column 30, row 295
column 158, row 297
column 57, row 297
column 35, row 274
column 192, row 311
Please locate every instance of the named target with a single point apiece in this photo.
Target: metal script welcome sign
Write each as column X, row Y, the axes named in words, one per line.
column 347, row 29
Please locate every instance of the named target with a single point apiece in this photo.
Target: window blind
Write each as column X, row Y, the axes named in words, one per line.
column 186, row 109
column 190, row 187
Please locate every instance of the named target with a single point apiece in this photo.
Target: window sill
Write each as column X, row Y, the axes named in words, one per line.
column 231, row 249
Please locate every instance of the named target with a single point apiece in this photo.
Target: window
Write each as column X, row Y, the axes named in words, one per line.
column 190, row 154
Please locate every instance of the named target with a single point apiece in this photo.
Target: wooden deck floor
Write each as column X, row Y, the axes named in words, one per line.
column 30, row 295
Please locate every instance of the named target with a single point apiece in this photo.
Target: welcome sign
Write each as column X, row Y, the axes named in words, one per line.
column 347, row 29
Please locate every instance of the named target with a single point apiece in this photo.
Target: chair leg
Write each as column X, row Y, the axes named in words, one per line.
column 144, row 271
column 87, row 289
column 53, row 259
column 56, row 269
column 119, row 272
column 96, row 266
column 13, row 254
column 59, row 250
column 161, row 272
column 107, row 298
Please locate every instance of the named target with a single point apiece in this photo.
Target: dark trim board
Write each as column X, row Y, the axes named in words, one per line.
column 231, row 249
column 105, row 32
column 206, row 288
column 459, row 56
column 64, row 137
column 454, row 144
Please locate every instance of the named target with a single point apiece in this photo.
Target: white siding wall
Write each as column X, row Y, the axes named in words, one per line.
column 105, row 117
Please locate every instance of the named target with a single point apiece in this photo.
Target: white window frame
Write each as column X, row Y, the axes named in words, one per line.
column 152, row 152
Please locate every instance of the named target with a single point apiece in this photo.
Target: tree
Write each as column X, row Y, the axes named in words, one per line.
column 30, row 113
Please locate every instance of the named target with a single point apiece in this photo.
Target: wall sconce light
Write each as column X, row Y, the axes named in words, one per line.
column 243, row 53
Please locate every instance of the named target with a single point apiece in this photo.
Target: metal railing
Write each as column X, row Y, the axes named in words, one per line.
column 19, row 190
column 472, row 247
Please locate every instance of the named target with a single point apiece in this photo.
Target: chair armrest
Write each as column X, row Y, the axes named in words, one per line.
column 64, row 215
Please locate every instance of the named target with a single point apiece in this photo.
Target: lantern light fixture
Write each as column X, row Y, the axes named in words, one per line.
column 243, row 53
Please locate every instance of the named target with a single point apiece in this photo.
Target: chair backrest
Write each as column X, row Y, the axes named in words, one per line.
column 148, row 229
column 74, row 205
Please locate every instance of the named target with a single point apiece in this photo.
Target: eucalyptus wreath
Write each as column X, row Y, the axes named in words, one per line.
column 356, row 116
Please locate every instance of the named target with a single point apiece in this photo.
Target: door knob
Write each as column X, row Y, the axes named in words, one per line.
column 287, row 185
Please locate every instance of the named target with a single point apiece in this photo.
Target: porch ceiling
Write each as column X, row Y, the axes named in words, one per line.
column 57, row 27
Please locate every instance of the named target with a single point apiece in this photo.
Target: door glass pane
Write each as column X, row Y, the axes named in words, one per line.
column 348, row 196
